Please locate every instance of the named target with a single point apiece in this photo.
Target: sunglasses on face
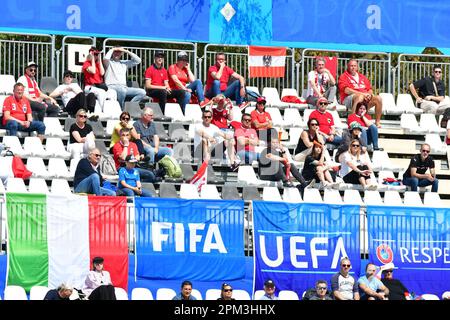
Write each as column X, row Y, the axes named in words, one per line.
column 32, row 70
column 346, row 265
column 437, row 71
column 322, row 288
column 246, row 120
column 323, row 104
column 355, row 145
column 426, row 151
column 227, row 290
column 125, row 118
column 314, row 124
column 207, row 117
column 82, row 116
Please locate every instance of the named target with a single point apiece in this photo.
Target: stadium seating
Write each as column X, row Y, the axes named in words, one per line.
column 37, row 185
column 212, row 294
column 38, row 292
column 288, row 295
column 273, row 98
column 292, row 195
column 141, row 294
column 257, row 295
column 15, row 293
column 121, row 294
column 165, row 294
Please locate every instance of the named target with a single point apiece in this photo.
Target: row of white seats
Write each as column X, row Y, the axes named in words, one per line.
column 36, row 185
column 33, row 147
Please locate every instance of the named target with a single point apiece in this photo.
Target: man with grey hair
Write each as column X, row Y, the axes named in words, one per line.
column 116, row 74
column 146, row 131
column 343, row 284
column 321, row 83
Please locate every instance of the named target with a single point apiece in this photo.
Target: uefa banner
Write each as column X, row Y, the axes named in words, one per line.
column 189, row 239
column 416, row 241
column 298, row 244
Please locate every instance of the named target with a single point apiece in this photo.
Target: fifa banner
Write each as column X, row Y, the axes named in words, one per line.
column 52, row 239
column 298, row 244
column 189, row 239
column 416, row 241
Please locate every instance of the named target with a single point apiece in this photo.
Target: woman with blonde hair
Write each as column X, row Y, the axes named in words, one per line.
column 82, row 138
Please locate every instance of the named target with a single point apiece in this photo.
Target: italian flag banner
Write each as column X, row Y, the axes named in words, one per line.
column 52, row 239
column 266, row 62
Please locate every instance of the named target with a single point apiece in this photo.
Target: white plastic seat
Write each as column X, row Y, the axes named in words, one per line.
column 306, row 115
column 110, row 124
column 294, row 137
column 293, row 92
column 15, row 146
column 273, row 98
column 15, row 293
column 429, row 124
column 37, row 166
column 288, row 295
column 38, row 292
column 189, row 191
column 141, row 294
column 381, row 161
column 236, row 114
column 212, row 294
column 408, row 122
column 249, row 109
column 37, row 185
column 193, row 113
column 292, row 195
column 121, row 294
column 165, row 294
column 57, row 168
column 432, row 199
column 436, row 144
column 53, row 128
column 240, row 294
column 389, row 106
column 271, row 194
column 332, row 196
column 2, row 191
column 372, row 198
column 173, row 110
column 406, row 103
column 392, row 198
column 338, row 123
column 61, row 187
column 111, row 110
column 247, row 175
column 209, row 191
column 275, row 114
column 73, row 166
column 33, row 146
column 412, row 199
column 7, row 83
column 445, row 295
column 352, row 196
column 16, row 185
column 196, row 294
column 311, row 195
column 55, row 148
column 258, row 294
column 292, row 118
column 426, row 296
column 6, row 168
column 254, row 89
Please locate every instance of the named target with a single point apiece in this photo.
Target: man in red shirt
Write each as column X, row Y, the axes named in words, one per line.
column 157, row 83
column 218, row 78
column 354, row 88
column 17, row 114
column 246, row 140
column 221, row 113
column 261, row 120
column 326, row 122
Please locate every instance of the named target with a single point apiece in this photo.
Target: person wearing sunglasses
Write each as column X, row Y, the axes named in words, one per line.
column 429, row 93
column 321, row 83
column 321, row 291
column 246, row 140
column 226, row 292
column 306, row 140
column 73, row 97
column 326, row 123
column 41, row 104
column 81, row 136
column 397, row 290
column 416, row 175
column 343, row 285
column 124, row 122
column 88, row 179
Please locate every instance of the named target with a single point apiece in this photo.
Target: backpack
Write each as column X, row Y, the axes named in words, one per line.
column 445, row 118
column 171, row 166
column 107, row 165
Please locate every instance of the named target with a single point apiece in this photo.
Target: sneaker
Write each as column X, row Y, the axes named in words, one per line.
column 234, row 166
column 378, row 149
column 243, row 105
column 335, row 185
column 372, row 187
column 203, row 103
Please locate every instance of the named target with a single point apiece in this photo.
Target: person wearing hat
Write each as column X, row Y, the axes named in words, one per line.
column 321, row 83
column 397, row 291
column 269, row 291
column 326, row 123
column 73, row 97
column 157, row 83
column 41, row 104
column 116, row 75
column 261, row 119
column 129, row 179
column 226, row 292
column 98, row 284
column 63, row 292
column 182, row 78
column 369, row 131
column 218, row 78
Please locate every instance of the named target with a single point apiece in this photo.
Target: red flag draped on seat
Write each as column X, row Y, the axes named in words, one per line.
column 199, row 179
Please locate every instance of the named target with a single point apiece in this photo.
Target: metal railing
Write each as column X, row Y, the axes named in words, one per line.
column 61, row 55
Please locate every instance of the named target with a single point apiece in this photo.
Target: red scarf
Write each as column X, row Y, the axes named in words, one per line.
column 33, row 89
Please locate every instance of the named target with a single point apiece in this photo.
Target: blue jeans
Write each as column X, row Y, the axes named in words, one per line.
column 130, row 193
column 233, row 91
column 370, row 136
column 91, row 184
column 122, row 92
column 197, row 88
column 247, row 156
column 146, row 175
column 13, row 126
column 416, row 182
column 336, row 141
column 162, row 151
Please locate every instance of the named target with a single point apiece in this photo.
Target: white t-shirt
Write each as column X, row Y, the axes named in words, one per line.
column 212, row 131
column 322, row 80
column 68, row 91
column 345, row 169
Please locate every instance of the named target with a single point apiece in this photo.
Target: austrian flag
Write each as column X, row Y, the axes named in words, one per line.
column 266, row 62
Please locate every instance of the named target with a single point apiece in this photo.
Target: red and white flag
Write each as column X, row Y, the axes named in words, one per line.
column 199, row 179
column 266, row 62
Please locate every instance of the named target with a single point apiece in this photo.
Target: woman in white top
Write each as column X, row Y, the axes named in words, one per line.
column 356, row 166
column 73, row 97
column 98, row 285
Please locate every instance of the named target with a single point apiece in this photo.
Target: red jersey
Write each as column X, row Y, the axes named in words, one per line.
column 118, row 149
column 226, row 74
column 89, row 78
column 157, row 76
column 353, row 117
column 346, row 80
column 260, row 118
column 248, row 133
column 182, row 75
column 18, row 109
column 325, row 120
column 220, row 118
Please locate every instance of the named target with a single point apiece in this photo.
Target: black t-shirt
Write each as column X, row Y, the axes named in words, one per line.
column 301, row 145
column 422, row 166
column 83, row 132
column 396, row 289
column 309, row 169
column 426, row 88
column 53, row 295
